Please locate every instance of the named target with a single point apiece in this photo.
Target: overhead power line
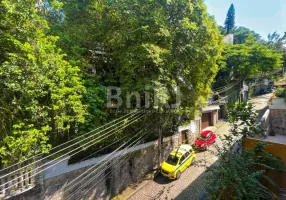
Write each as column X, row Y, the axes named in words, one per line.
column 67, row 154
column 17, row 164
column 117, row 157
column 218, row 101
column 228, row 87
column 46, row 157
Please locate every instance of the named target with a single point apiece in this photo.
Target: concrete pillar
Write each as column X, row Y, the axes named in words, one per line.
column 8, row 190
column 21, row 184
column 2, row 181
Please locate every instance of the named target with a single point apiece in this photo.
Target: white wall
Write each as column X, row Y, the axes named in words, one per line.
column 228, row 39
column 63, row 167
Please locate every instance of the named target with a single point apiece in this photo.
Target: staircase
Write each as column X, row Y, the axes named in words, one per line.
column 282, row 195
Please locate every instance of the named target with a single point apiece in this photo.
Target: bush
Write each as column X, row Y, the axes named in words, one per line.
column 280, row 92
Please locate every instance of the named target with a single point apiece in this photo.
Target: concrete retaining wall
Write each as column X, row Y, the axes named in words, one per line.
column 278, row 120
column 105, row 182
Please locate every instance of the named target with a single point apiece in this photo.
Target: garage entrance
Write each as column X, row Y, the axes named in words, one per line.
column 184, row 137
column 206, row 120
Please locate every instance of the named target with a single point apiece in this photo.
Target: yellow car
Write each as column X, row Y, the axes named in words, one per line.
column 178, row 160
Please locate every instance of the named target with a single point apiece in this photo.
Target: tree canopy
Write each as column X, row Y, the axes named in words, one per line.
column 241, row 33
column 40, row 91
column 249, row 59
column 49, row 95
column 135, row 44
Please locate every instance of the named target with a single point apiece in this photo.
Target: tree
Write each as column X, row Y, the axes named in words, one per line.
column 222, row 30
column 230, row 19
column 250, row 59
column 41, row 92
column 239, row 173
column 277, row 42
column 158, row 45
column 242, row 33
column 162, row 33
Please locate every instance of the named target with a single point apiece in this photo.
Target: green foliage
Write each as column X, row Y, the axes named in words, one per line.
column 241, row 34
column 250, row 59
column 242, row 118
column 135, row 44
column 222, row 30
column 230, row 19
column 238, row 174
column 280, row 92
column 40, row 92
column 275, row 41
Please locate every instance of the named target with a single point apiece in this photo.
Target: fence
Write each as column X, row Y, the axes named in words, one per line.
column 18, row 182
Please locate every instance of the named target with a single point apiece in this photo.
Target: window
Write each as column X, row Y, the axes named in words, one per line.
column 172, row 160
column 202, row 137
column 187, row 154
column 184, row 157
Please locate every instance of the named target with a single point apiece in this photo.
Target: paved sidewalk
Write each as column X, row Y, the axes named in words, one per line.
column 260, row 104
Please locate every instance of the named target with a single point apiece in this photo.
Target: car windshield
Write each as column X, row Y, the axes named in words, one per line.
column 172, row 160
column 202, row 137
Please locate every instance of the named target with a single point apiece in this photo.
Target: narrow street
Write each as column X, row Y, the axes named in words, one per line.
column 191, row 183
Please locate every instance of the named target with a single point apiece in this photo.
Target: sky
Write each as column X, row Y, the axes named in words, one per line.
column 262, row 16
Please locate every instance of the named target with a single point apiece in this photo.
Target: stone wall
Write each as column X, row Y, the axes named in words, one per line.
column 105, row 182
column 198, row 122
column 278, row 121
column 214, row 117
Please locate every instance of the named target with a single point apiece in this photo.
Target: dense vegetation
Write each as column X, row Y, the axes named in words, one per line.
column 58, row 57
column 40, row 91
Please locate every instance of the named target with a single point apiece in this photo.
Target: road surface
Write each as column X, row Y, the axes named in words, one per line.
column 191, row 183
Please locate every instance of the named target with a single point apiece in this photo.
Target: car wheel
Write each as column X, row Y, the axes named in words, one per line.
column 178, row 175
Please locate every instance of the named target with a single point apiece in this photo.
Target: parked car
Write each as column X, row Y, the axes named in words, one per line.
column 205, row 139
column 178, row 161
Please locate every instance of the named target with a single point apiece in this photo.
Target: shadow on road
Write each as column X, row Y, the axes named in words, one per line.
column 162, row 180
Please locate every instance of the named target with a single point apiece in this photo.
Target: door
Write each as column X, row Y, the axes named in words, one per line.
column 211, row 138
column 184, row 137
column 188, row 156
column 183, row 163
column 206, row 120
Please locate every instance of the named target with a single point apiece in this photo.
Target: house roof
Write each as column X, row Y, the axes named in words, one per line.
column 210, row 108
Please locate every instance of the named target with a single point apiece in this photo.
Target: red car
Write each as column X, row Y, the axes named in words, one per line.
column 206, row 138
